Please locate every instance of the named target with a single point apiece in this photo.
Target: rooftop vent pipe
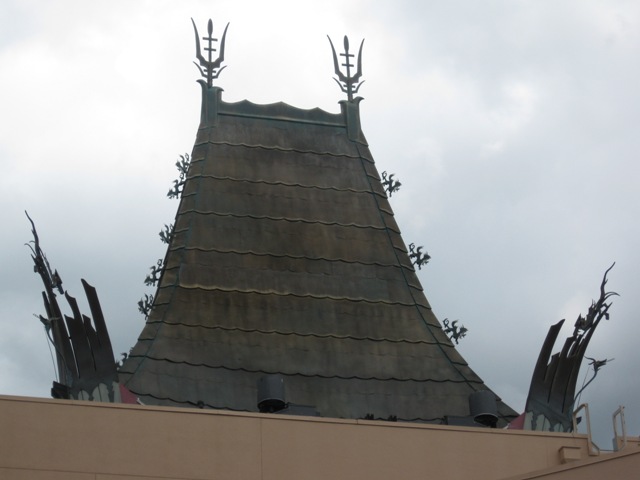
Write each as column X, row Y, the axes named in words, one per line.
column 271, row 393
column 484, row 408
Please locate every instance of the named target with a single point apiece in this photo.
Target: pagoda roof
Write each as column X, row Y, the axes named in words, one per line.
column 286, row 259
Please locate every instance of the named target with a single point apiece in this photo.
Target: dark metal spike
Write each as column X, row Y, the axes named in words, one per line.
column 336, row 67
column 198, row 51
column 220, row 59
column 358, row 74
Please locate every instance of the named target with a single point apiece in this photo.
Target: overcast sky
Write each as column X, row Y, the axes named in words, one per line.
column 512, row 125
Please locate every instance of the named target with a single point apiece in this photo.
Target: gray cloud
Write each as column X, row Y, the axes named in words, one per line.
column 510, row 125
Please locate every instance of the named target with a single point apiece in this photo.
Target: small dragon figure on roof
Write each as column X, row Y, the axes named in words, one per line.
column 389, row 184
column 453, row 331
column 417, row 257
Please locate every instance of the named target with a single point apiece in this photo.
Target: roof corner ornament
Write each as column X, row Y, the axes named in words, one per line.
column 86, row 366
column 348, row 83
column 552, row 398
column 209, row 68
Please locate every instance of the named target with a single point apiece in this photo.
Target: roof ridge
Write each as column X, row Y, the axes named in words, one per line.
column 286, row 219
column 283, row 184
column 287, row 294
column 464, row 379
column 284, row 255
column 276, row 148
column 299, row 334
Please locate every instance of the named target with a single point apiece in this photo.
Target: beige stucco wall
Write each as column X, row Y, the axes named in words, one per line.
column 612, row 466
column 53, row 439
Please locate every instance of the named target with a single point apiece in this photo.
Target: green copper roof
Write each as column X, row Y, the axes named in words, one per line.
column 286, row 258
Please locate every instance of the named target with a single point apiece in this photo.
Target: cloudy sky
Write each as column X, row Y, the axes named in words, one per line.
column 512, row 125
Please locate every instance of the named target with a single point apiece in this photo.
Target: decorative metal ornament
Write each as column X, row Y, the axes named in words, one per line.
column 156, row 272
column 453, row 331
column 166, row 234
column 183, row 168
column 596, row 365
column 209, row 68
column 84, row 356
column 389, row 184
column 552, row 396
column 417, row 257
column 348, row 83
column 145, row 305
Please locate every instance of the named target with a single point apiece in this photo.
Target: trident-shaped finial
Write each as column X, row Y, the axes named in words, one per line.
column 209, row 68
column 348, row 84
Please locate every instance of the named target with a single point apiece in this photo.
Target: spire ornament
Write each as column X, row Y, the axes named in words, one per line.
column 209, row 68
column 348, row 83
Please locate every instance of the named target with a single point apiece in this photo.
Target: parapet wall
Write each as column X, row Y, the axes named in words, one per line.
column 55, row 439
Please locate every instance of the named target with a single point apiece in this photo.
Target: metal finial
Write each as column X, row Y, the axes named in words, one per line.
column 349, row 84
column 209, row 68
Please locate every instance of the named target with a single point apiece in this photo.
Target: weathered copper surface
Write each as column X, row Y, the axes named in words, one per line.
column 286, row 258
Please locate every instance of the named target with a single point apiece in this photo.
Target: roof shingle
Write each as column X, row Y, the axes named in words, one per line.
column 286, row 258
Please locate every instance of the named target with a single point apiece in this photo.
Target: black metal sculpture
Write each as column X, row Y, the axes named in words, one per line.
column 389, row 184
column 417, row 257
column 183, row 168
column 145, row 305
column 209, row 68
column 166, row 234
column 86, row 365
column 348, row 83
column 453, row 331
column 552, row 392
column 156, row 272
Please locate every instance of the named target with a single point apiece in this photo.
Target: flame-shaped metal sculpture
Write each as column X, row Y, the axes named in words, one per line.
column 209, row 68
column 348, row 83
column 86, row 365
column 551, row 395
